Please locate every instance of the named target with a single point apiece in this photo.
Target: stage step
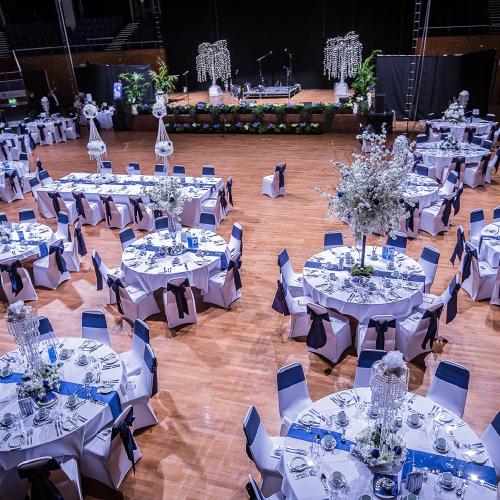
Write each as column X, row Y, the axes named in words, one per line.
column 494, row 15
column 4, row 47
column 122, row 37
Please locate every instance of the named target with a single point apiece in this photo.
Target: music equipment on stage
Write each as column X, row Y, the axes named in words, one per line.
column 379, row 103
column 263, row 92
column 259, row 60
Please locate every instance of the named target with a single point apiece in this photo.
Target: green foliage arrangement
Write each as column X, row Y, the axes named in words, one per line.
column 134, row 86
column 162, row 80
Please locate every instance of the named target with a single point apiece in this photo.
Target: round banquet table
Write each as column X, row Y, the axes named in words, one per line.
column 441, row 158
column 34, row 234
column 77, row 425
column 489, row 244
column 358, row 477
column 422, row 189
column 145, row 264
column 481, row 126
column 325, row 283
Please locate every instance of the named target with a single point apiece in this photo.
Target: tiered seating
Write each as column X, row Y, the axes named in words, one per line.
column 35, row 34
column 100, row 27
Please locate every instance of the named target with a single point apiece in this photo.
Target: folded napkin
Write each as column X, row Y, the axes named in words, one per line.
column 7, row 392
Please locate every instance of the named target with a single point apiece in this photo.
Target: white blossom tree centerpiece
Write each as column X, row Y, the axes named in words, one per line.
column 164, row 147
column 342, row 58
column 96, row 148
column 455, row 113
column 370, row 195
column 214, row 61
column 167, row 196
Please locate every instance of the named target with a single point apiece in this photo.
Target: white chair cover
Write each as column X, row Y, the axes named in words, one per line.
column 379, row 330
column 476, row 225
column 143, row 217
column 491, row 441
column 116, row 214
column 28, row 290
column 495, row 296
column 366, row 359
column 94, row 326
column 293, row 280
column 236, row 240
column 90, row 212
column 436, row 218
column 173, row 306
column 272, row 185
column 50, row 271
column 429, row 259
column 478, row 278
column 127, row 237
column 133, row 359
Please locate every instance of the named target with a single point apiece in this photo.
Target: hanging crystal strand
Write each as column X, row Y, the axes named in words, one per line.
column 214, row 61
column 164, row 147
column 96, row 147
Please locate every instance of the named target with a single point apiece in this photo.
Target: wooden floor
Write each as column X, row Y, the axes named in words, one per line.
column 210, row 372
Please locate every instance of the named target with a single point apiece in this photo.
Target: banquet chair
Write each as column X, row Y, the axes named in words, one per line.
column 40, row 476
column 329, row 333
column 95, row 326
column 259, row 446
column 16, row 283
column 476, row 225
column 257, row 493
column 45, row 135
column 45, row 178
column 88, row 211
column 398, row 242
column 127, row 237
column 477, row 140
column 274, row 185
column 179, row 171
column 293, row 279
column 71, row 131
column 495, row 295
column 494, row 163
column 62, row 231
column 475, row 172
column 160, row 170
column 10, row 186
column 425, row 170
column 478, row 278
column 133, row 359
column 487, row 144
column 449, row 185
column 105, row 167
column 27, row 215
column 236, row 241
column 102, row 274
column 207, row 221
column 449, row 387
column 208, row 171
column 459, row 245
column 224, row 286
column 333, row 239
column 3, row 217
column 45, row 329
column 436, row 218
column 429, row 259
column 35, row 186
column 161, row 224
column 59, row 132
column 229, row 194
column 179, row 304
column 496, row 214
column 132, row 301
column 5, row 151
column 141, row 387
column 491, row 441
column 116, row 214
column 143, row 216
column 133, row 168
column 50, row 271
column 75, row 250
column 416, row 334
column 421, row 138
column 108, row 460
column 410, row 225
column 293, row 394
column 366, row 358
column 379, row 333
column 216, row 205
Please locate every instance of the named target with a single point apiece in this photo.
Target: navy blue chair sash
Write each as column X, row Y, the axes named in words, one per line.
column 180, row 297
column 452, row 306
column 381, row 329
column 281, row 170
column 136, row 203
column 23, row 144
column 459, row 247
column 15, row 278
column 76, row 123
column 316, row 337
column 39, row 477
column 279, row 302
column 126, row 436
column 115, row 285
column 445, row 218
column 222, row 197
column 430, row 335
column 229, row 191
column 55, row 201
column 409, row 221
column 469, row 255
column 41, row 131
column 58, row 250
column 80, row 241
column 39, row 167
column 235, row 266
column 58, row 126
column 456, row 200
column 3, row 145
column 98, row 275
column 12, row 179
column 152, row 364
column 80, row 210
column 106, row 200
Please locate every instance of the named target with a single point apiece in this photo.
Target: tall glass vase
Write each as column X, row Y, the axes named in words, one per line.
column 363, row 251
column 173, row 226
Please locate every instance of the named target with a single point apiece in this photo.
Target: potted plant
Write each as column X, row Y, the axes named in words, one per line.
column 163, row 82
column 364, row 83
column 134, row 87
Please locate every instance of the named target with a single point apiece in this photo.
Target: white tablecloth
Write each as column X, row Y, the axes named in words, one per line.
column 21, row 168
column 481, row 126
column 49, row 124
column 432, row 155
column 489, row 246
column 122, row 186
column 357, row 475
column 45, row 440
column 105, row 118
column 139, row 268
column 34, row 235
column 358, row 301
column 422, row 189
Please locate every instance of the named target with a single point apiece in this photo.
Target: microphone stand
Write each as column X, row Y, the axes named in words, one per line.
column 186, row 86
column 259, row 60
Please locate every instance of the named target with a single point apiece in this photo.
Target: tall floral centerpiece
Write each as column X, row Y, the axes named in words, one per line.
column 455, row 113
column 96, row 148
column 370, row 195
column 167, row 195
column 379, row 446
column 164, row 147
column 40, row 377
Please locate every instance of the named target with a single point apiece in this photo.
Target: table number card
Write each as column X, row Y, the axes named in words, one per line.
column 26, row 406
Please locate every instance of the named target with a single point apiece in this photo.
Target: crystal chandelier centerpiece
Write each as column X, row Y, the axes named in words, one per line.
column 164, row 147
column 342, row 58
column 214, row 60
column 96, row 148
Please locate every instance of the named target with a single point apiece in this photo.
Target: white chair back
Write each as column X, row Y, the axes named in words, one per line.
column 386, row 324
column 236, row 240
column 364, row 369
column 94, row 326
column 286, row 266
column 127, row 237
column 259, row 443
column 477, row 224
column 491, row 441
column 293, row 394
column 429, row 260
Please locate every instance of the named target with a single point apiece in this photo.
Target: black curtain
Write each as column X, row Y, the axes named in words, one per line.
column 443, row 77
column 98, row 80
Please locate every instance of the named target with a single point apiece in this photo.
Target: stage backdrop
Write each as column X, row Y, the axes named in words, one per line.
column 252, row 29
column 98, row 79
column 443, row 77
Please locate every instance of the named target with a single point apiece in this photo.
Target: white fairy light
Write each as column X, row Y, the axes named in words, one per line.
column 214, row 61
column 342, row 56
